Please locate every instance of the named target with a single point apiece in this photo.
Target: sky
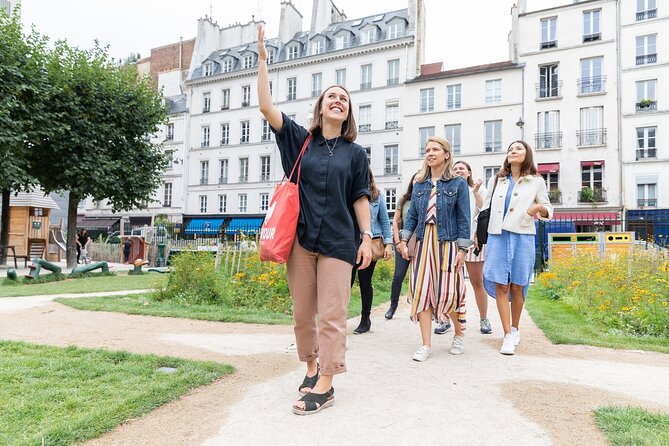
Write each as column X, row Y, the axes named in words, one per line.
column 459, row 34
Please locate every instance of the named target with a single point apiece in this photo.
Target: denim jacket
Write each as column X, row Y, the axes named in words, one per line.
column 453, row 215
column 380, row 221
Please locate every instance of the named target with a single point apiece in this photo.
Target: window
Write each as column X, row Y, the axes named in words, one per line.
column 493, row 91
column 246, row 95
column 489, row 172
column 203, row 204
column 243, row 170
column 391, row 199
column 169, row 132
column 340, row 77
column 208, row 69
column 204, row 172
column 368, row 152
column 592, row 180
column 318, row 46
column 646, row 191
column 548, row 33
column 222, row 203
column 645, row 142
column 551, row 175
column 205, row 136
column 646, row 9
column 424, row 133
column 392, row 159
column 366, row 76
column 227, row 65
column 293, row 51
column 548, row 81
column 393, row 72
column 365, row 118
column 264, row 168
column 395, row 30
column 271, row 55
column 206, row 102
column 548, row 130
column 169, row 154
column 592, row 131
column 167, row 195
column 645, row 95
column 245, row 132
column 264, row 202
column 426, row 100
column 316, row 84
column 343, row 40
column 241, row 206
column 223, row 171
column 369, row 35
column 591, row 80
column 493, row 136
column 646, row 49
column 392, row 115
column 291, row 94
column 248, row 61
column 454, row 97
column 266, row 133
column 592, row 25
column 225, row 134
column 452, row 135
column 225, row 99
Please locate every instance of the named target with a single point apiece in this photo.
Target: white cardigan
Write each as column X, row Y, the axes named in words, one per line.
column 527, row 191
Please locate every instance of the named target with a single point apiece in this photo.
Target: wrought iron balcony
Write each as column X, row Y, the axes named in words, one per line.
column 587, row 195
column 391, row 170
column 646, row 59
column 646, row 202
column 590, row 85
column 595, row 137
column 650, row 152
column 592, row 37
column 223, row 180
column 646, row 105
column 365, row 85
column 548, row 44
column 264, row 177
column 645, row 15
column 243, row 178
column 555, row 196
column 392, row 125
column 548, row 140
column 549, row 91
column 362, row 128
column 204, row 180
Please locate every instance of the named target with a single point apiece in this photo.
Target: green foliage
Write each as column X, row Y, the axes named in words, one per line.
column 626, row 426
column 586, row 195
column 193, row 280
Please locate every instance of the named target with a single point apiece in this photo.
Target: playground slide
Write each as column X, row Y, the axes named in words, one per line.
column 60, row 242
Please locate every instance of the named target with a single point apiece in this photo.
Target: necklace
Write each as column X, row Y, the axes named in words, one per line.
column 331, row 149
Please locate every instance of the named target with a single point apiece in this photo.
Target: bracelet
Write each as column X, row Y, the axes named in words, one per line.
column 464, row 250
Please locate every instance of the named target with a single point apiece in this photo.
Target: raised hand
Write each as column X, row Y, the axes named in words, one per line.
column 477, row 185
column 262, row 51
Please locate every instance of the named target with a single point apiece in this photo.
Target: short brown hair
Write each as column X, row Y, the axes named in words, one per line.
column 349, row 129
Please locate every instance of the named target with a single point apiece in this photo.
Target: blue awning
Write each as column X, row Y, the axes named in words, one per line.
column 246, row 225
column 204, row 226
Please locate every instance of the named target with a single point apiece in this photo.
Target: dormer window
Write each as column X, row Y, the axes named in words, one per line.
column 271, row 55
column 369, row 35
column 396, row 29
column 208, row 69
column 292, row 52
column 318, row 46
column 248, row 61
column 227, row 65
column 343, row 40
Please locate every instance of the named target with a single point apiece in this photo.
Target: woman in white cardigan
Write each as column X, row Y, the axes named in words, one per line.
column 515, row 196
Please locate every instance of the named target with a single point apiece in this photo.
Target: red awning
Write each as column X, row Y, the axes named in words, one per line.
column 592, row 163
column 548, row 167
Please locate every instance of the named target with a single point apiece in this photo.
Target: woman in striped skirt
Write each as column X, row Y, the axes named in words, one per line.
column 439, row 214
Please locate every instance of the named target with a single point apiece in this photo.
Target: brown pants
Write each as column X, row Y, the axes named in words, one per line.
column 320, row 287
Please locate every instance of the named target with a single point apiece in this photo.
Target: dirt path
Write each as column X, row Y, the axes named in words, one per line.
column 543, row 395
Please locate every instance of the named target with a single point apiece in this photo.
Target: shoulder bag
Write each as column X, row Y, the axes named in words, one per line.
column 482, row 223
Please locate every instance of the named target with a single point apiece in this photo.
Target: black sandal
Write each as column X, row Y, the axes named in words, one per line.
column 309, row 381
column 315, row 402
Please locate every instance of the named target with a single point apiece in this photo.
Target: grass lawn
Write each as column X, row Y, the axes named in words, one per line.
column 143, row 305
column 626, row 426
column 63, row 396
column 562, row 324
column 119, row 282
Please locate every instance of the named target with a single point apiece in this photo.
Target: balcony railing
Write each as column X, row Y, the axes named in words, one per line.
column 587, row 195
column 393, row 81
column 555, row 196
column 644, row 15
column 549, row 91
column 223, row 180
column 548, row 140
column 244, row 140
column 364, row 128
column 204, row 180
column 590, row 85
column 646, row 58
column 646, row 105
column 204, row 144
column 650, row 152
column 548, row 44
column 264, row 177
column 365, row 85
column 391, row 170
column 243, row 179
column 392, row 125
column 225, row 141
column 591, row 137
column 592, row 37
column 646, row 202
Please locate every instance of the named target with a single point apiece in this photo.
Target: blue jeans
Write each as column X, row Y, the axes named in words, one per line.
column 401, row 267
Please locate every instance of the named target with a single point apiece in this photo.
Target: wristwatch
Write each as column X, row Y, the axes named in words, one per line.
column 369, row 233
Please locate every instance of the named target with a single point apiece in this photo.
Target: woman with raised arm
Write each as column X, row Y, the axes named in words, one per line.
column 333, row 230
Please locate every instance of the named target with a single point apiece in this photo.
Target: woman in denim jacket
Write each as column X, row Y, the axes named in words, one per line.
column 439, row 214
column 380, row 229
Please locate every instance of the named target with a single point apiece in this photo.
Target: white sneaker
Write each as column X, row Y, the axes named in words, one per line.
column 508, row 347
column 516, row 336
column 292, row 348
column 458, row 346
column 422, row 353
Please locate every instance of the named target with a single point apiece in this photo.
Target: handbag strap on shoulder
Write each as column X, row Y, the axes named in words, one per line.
column 298, row 162
column 492, row 194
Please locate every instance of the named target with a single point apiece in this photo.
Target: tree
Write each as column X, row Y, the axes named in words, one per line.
column 105, row 115
column 24, row 116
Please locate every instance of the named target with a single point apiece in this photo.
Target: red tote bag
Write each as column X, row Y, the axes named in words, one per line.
column 278, row 229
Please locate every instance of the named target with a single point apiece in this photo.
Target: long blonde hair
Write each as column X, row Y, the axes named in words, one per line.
column 424, row 173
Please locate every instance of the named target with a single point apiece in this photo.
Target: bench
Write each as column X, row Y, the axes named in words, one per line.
column 35, row 251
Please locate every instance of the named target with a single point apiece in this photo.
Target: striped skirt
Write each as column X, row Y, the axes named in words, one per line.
column 432, row 283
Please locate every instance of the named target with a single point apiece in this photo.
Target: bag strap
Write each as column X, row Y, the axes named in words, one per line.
column 492, row 194
column 298, row 162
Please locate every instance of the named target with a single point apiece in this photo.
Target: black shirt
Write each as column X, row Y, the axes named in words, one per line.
column 329, row 185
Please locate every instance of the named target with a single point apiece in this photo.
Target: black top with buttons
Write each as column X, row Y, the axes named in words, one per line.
column 329, row 185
